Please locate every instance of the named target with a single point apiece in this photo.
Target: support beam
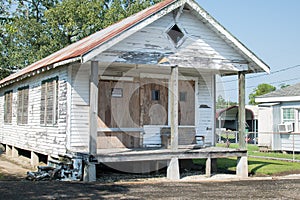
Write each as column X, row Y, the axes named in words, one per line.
column 89, row 174
column 8, row 150
column 208, row 167
column 173, row 169
column 15, row 152
column 174, row 107
column 242, row 117
column 94, row 80
column 34, row 159
column 242, row 167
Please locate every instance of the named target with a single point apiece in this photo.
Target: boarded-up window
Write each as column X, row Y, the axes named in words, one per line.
column 49, row 102
column 23, row 105
column 8, row 106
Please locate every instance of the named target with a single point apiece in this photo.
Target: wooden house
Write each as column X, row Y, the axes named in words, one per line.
column 280, row 112
column 146, row 82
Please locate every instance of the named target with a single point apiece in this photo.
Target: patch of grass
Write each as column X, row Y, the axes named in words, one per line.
column 256, row 167
column 253, row 150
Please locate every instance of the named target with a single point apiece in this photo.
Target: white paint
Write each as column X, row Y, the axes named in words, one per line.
column 49, row 140
column 277, row 99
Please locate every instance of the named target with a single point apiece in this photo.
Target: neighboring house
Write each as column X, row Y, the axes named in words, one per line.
column 227, row 119
column 279, row 119
column 121, row 87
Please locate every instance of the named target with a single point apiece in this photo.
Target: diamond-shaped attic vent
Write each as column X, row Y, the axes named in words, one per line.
column 175, row 34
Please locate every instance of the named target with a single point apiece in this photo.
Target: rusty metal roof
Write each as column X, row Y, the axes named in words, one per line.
column 76, row 50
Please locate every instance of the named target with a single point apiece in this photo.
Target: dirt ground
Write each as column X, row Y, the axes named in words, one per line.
column 14, row 186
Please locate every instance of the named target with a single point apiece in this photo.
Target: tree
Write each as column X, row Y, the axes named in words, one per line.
column 261, row 89
column 222, row 103
column 34, row 29
column 283, row 85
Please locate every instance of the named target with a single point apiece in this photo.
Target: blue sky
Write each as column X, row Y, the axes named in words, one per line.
column 269, row 28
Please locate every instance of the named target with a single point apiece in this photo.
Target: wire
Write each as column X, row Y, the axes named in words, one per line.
column 284, row 81
column 260, row 75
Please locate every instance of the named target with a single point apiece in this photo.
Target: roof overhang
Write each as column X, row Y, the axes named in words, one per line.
column 277, row 99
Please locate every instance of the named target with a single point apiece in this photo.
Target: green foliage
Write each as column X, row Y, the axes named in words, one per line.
column 283, row 85
column 261, row 89
column 36, row 28
column 222, row 103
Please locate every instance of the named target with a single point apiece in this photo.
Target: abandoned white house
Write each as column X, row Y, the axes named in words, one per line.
column 127, row 87
column 280, row 111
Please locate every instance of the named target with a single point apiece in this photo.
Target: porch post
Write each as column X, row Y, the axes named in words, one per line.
column 241, row 116
column 94, row 80
column 174, row 107
column 242, row 162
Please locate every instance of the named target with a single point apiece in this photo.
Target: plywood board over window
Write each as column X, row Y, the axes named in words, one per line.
column 49, row 102
column 8, row 107
column 186, row 111
column 119, row 104
column 154, row 101
column 23, row 94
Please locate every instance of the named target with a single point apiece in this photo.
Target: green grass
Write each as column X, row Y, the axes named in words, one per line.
column 258, row 166
column 253, row 150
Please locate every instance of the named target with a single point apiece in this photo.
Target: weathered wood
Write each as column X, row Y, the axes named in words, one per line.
column 186, row 99
column 109, row 140
column 155, row 111
column 121, row 110
column 174, row 107
column 124, row 154
column 241, row 115
column 94, row 80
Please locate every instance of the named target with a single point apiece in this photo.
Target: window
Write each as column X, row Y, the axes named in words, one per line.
column 155, row 95
column 182, row 96
column 175, row 34
column 49, row 102
column 23, row 105
column 8, row 106
column 288, row 115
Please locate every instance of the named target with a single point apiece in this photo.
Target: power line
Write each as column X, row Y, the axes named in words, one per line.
column 256, row 85
column 260, row 75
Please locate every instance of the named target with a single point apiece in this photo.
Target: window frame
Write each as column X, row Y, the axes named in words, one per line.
column 22, row 115
column 49, row 103
column 182, row 30
column 288, row 120
column 6, row 115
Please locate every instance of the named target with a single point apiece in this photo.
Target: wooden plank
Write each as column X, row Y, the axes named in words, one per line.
column 241, row 114
column 93, row 107
column 155, row 111
column 174, row 107
column 186, row 110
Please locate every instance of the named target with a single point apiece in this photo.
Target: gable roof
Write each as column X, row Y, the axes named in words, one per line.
column 290, row 93
column 84, row 50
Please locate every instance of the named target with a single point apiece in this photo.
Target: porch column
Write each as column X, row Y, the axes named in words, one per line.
column 94, row 80
column 241, row 116
column 174, row 107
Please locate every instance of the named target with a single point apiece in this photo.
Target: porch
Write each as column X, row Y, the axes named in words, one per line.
column 155, row 159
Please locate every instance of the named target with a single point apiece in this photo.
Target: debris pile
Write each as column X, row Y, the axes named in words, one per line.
column 70, row 170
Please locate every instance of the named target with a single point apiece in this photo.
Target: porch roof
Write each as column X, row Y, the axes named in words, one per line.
column 87, row 48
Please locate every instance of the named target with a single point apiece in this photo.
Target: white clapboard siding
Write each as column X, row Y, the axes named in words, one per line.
column 199, row 40
column 200, row 30
column 287, row 141
column 205, row 120
column 80, row 108
column 33, row 136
